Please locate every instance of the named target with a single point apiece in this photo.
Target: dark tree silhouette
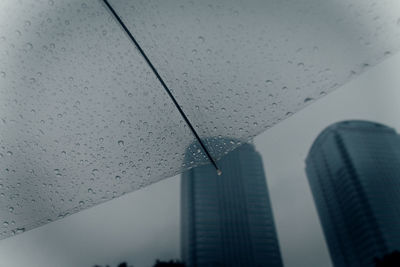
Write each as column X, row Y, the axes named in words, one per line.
column 389, row 260
column 171, row 263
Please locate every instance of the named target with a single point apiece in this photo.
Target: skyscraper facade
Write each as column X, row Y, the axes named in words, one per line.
column 353, row 169
column 227, row 220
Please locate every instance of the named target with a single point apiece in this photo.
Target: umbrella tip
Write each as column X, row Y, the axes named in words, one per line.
column 219, row 172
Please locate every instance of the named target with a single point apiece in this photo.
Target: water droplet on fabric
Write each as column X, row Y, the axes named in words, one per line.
column 29, row 46
column 20, row 230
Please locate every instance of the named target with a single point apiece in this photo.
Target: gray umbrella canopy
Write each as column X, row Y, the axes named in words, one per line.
column 83, row 118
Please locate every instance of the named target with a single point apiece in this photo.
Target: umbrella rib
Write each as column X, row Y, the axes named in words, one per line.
column 168, row 91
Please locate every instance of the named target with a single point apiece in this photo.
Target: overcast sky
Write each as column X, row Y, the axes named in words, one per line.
column 144, row 225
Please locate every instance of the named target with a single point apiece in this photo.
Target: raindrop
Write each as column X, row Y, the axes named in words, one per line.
column 9, row 153
column 5, row 223
column 121, row 143
column 90, row 190
column 308, row 99
column 269, row 82
column 2, row 74
column 29, row 46
column 11, row 209
column 201, row 38
column 352, row 73
column 20, row 230
column 118, row 177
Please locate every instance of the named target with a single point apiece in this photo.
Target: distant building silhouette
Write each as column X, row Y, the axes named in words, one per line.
column 227, row 220
column 353, row 169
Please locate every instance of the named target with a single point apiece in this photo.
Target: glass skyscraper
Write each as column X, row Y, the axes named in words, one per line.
column 353, row 169
column 227, row 220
